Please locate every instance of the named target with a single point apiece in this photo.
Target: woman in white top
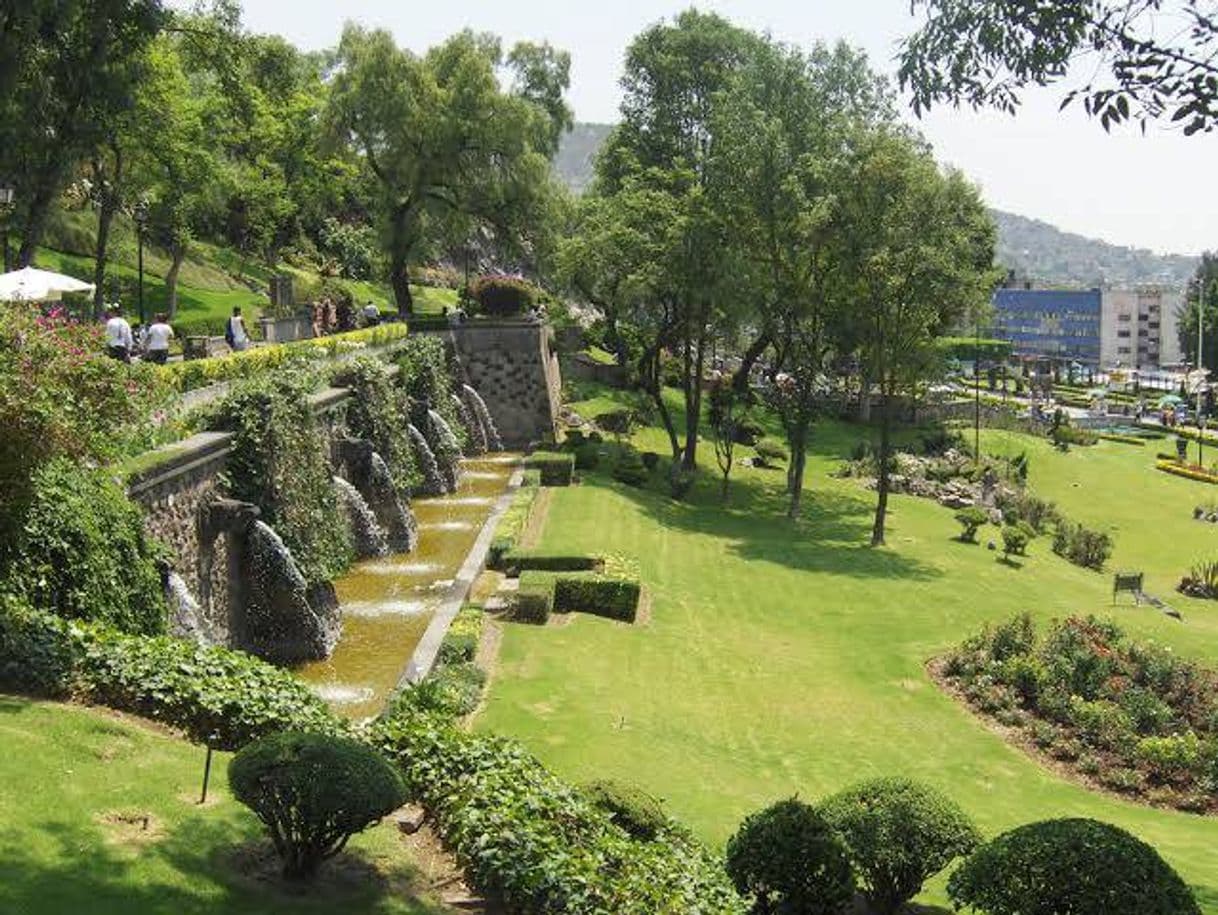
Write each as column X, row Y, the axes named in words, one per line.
column 119, row 342
column 234, row 331
column 156, row 343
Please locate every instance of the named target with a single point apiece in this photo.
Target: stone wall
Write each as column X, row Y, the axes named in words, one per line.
column 514, row 366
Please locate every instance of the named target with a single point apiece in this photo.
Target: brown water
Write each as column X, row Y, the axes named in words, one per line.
column 387, row 603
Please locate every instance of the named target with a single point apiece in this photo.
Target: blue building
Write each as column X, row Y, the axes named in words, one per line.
column 1054, row 323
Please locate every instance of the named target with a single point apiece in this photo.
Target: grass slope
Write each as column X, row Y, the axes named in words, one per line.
column 65, row 774
column 789, row 658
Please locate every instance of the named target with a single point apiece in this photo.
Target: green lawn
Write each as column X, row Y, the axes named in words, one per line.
column 787, row 658
column 74, row 786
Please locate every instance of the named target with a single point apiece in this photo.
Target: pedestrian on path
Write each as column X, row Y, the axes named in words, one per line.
column 119, row 341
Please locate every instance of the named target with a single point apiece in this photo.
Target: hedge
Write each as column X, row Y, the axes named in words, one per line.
column 518, row 561
column 216, row 696
column 196, row 373
column 534, row 599
column 1124, row 439
column 1188, row 472
column 511, row 526
column 609, row 595
column 556, row 468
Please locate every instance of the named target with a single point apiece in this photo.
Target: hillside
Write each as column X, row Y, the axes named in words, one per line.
column 1031, row 247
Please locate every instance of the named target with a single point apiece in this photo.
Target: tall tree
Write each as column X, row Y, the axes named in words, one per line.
column 1205, row 278
column 1149, row 59
column 70, row 83
column 920, row 250
column 442, row 138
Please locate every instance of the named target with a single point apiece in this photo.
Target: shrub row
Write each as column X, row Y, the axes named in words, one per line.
column 1124, row 439
column 219, row 697
column 1081, row 546
column 196, row 373
column 1133, row 716
column 556, row 467
column 511, row 525
column 609, row 595
column 1189, row 472
column 518, row 561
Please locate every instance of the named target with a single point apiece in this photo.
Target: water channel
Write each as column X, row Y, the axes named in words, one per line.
column 388, row 602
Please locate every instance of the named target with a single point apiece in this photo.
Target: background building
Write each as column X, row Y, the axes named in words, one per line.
column 1139, row 327
column 1059, row 324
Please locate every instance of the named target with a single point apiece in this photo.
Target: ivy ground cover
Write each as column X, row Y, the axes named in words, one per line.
column 783, row 659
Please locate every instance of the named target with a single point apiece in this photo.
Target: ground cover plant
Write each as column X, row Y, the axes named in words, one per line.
column 1129, row 714
column 826, row 640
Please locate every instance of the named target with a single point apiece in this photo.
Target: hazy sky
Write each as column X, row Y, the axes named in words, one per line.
column 1151, row 191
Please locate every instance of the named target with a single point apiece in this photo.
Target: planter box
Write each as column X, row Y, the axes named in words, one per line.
column 285, row 330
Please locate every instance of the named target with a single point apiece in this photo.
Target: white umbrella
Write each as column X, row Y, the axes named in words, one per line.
column 31, row 285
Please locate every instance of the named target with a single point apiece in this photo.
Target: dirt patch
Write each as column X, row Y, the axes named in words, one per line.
column 485, row 586
column 130, row 828
column 443, row 878
column 560, row 620
column 642, row 616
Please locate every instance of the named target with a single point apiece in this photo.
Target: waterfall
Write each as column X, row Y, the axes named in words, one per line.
column 446, row 448
column 280, row 623
column 387, row 502
column 433, row 483
column 370, row 538
column 483, row 415
column 185, row 615
column 477, row 435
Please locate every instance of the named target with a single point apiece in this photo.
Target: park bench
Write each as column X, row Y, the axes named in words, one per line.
column 1132, row 582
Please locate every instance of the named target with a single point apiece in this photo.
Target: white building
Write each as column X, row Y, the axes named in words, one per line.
column 1138, row 327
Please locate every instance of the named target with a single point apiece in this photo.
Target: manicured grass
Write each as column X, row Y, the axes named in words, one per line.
column 68, row 774
column 788, row 658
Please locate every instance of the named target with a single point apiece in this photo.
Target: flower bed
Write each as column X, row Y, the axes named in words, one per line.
column 1188, row 471
column 1127, row 716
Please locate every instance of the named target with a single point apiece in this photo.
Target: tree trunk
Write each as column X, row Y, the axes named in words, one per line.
column 864, row 398
column 649, row 373
column 105, row 216
column 178, row 253
column 799, row 457
column 36, row 221
column 693, row 399
column 881, row 504
column 399, row 277
column 740, row 380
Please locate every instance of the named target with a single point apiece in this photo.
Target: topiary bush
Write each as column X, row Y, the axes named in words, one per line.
column 499, row 295
column 83, row 553
column 313, row 792
column 630, row 469
column 631, row 808
column 1014, row 541
column 1079, row 866
column 556, row 467
column 899, row 834
column 971, row 519
column 790, row 861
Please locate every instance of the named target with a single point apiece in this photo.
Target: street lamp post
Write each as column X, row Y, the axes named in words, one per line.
column 141, row 220
column 6, row 203
column 1200, row 369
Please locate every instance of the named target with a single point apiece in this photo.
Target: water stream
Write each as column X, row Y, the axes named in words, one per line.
column 387, row 602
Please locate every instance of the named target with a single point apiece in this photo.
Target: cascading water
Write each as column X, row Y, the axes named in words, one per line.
column 483, row 415
column 433, row 482
column 370, row 537
column 394, row 513
column 477, row 435
column 280, row 623
column 446, row 449
column 185, row 615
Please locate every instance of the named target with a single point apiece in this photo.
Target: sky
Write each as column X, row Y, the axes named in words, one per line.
column 1148, row 191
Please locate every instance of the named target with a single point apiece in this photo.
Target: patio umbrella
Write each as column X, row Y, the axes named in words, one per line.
column 1170, row 400
column 31, row 285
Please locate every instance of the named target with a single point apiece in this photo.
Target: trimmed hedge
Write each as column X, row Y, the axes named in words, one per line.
column 1187, row 471
column 1124, row 439
column 556, row 467
column 610, row 595
column 534, row 599
column 511, row 526
column 216, row 696
column 519, row 561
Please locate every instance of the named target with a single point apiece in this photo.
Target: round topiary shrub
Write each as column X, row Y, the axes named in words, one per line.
column 1079, row 866
column 630, row 469
column 790, row 861
column 629, row 807
column 499, row 295
column 899, row 834
column 313, row 792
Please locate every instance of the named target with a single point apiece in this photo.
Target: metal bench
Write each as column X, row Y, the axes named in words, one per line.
column 1128, row 581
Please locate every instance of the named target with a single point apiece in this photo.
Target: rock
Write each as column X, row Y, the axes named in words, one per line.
column 409, row 819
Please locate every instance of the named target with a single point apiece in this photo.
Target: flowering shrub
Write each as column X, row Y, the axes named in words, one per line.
column 501, row 295
column 1132, row 715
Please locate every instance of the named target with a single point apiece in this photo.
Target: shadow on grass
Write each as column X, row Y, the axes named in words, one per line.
column 13, row 705
column 204, row 868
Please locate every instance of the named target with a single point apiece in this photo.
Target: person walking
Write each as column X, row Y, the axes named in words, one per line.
column 119, row 341
column 234, row 331
column 156, row 345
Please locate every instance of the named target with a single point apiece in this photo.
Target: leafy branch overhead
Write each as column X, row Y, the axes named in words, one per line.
column 1151, row 60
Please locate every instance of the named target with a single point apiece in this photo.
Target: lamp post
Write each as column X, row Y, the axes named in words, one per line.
column 141, row 221
column 6, row 203
column 977, row 385
column 1200, row 367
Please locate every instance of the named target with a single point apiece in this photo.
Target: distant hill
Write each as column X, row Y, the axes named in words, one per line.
column 1032, row 248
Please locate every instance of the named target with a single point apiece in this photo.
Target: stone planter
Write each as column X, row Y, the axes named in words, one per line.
column 285, row 330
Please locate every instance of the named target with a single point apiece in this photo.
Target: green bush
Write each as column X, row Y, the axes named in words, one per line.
column 619, row 422
column 1014, row 541
column 587, row 456
column 280, row 461
column 602, row 595
column 424, row 375
column 519, row 561
column 748, row 432
column 460, row 643
column 788, row 860
column 631, row 808
column 971, row 519
column 556, row 468
column 1081, row 546
column 770, row 451
column 313, row 792
column 1079, row 866
column 378, row 413
column 83, row 553
column 533, row 601
column 216, row 696
column 511, row 525
column 502, row 296
column 898, row 834
column 630, row 469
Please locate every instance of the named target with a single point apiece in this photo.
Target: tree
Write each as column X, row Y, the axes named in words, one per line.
column 313, row 792
column 984, row 54
column 1070, row 865
column 724, row 415
column 1206, row 276
column 70, row 82
column 443, row 141
column 920, row 251
column 898, row 834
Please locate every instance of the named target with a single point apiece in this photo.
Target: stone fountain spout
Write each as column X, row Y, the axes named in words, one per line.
column 477, row 435
column 477, row 406
column 433, row 481
column 446, row 448
column 370, row 538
